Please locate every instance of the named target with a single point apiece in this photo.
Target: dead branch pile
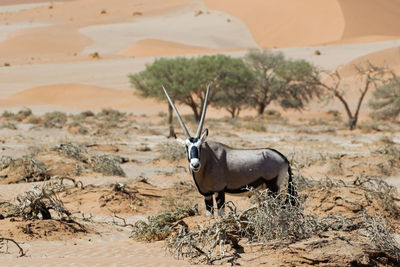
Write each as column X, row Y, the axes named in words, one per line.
column 107, row 165
column 37, row 203
column 268, row 221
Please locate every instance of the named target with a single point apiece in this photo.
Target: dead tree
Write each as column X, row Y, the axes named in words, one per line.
column 371, row 77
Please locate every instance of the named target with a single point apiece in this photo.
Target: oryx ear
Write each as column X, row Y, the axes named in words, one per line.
column 181, row 141
column 204, row 135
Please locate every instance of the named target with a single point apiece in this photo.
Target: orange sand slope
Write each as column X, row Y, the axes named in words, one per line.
column 286, row 23
column 387, row 57
column 72, row 30
column 80, row 97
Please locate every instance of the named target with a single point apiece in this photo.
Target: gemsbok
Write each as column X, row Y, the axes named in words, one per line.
column 219, row 169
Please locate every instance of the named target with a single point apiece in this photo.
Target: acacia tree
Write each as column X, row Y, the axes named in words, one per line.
column 233, row 84
column 370, row 76
column 187, row 79
column 385, row 100
column 174, row 74
column 288, row 82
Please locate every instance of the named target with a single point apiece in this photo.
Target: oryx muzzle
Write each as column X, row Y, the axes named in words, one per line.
column 229, row 170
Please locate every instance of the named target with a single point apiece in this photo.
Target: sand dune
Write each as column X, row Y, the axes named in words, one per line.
column 172, row 28
column 151, row 47
column 310, row 22
column 385, row 58
column 80, row 97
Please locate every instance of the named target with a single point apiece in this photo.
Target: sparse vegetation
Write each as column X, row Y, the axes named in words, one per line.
column 55, row 119
column 386, row 100
column 160, row 226
column 172, row 151
column 106, row 165
column 267, row 221
column 371, row 77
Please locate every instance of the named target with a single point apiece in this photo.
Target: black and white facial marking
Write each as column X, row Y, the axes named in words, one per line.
column 193, row 151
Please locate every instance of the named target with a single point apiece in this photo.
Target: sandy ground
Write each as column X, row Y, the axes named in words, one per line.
column 76, row 55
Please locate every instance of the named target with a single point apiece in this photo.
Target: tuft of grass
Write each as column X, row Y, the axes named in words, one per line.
column 23, row 114
column 335, row 167
column 106, row 165
column 8, row 125
column 7, row 114
column 172, row 151
column 5, row 161
column 29, row 169
column 160, row 226
column 55, row 119
column 256, row 125
column 75, row 151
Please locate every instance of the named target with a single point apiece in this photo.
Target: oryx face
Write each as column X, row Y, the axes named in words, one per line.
column 192, row 144
column 193, row 152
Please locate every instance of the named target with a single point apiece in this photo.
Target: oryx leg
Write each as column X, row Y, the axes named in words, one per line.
column 208, row 200
column 273, row 185
column 220, row 199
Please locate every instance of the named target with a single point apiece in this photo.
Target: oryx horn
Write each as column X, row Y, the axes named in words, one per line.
column 203, row 114
column 177, row 114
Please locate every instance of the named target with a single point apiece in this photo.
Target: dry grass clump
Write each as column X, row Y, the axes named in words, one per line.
column 119, row 192
column 268, row 222
column 183, row 196
column 172, row 151
column 110, row 114
column 391, row 150
column 256, row 125
column 160, row 226
column 8, row 125
column 72, row 150
column 26, row 168
column 55, row 119
column 107, row 165
column 20, row 116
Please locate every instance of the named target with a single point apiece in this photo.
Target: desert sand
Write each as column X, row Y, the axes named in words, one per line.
column 76, row 55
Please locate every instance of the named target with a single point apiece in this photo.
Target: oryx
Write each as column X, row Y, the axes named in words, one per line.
column 218, row 169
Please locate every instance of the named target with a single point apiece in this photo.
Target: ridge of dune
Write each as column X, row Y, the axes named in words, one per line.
column 151, row 47
column 384, row 58
column 78, row 96
column 370, row 18
column 285, row 23
column 44, row 42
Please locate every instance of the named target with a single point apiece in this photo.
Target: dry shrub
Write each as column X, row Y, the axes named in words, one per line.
column 27, row 169
column 335, row 167
column 172, row 151
column 5, row 161
column 75, row 151
column 256, row 125
column 391, row 150
column 7, row 114
column 8, row 125
column 107, row 165
column 55, row 119
column 23, row 114
column 269, row 221
column 118, row 193
column 39, row 201
column 20, row 116
column 160, row 226
column 110, row 114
